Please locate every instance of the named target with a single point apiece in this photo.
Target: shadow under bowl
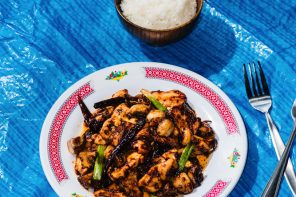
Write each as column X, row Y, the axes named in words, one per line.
column 159, row 37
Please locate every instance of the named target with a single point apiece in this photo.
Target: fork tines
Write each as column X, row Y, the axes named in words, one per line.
column 258, row 89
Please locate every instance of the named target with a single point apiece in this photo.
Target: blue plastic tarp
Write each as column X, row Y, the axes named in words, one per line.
column 46, row 46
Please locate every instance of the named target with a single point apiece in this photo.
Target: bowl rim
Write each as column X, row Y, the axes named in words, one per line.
column 198, row 10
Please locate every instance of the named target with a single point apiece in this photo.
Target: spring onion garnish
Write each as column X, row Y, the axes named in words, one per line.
column 99, row 163
column 153, row 100
column 185, row 155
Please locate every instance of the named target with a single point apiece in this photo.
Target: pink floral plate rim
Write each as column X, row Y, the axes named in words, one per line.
column 153, row 72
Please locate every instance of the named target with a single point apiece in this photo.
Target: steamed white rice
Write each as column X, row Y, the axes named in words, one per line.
column 159, row 14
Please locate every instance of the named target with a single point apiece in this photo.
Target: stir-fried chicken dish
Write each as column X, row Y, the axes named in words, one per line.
column 151, row 144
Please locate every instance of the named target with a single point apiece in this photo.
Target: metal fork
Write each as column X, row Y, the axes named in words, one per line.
column 259, row 98
column 273, row 186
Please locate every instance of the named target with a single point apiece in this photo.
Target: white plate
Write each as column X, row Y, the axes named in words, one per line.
column 64, row 121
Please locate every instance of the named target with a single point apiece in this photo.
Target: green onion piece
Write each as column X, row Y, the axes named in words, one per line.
column 185, row 155
column 152, row 195
column 99, row 163
column 153, row 100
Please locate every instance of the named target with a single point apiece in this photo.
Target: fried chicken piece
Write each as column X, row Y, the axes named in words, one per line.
column 164, row 168
column 139, row 110
column 143, row 134
column 75, row 145
column 117, row 135
column 84, row 162
column 168, row 191
column 133, row 160
column 181, row 120
column 119, row 172
column 155, row 116
column 86, row 180
column 166, row 141
column 141, row 146
column 171, row 154
column 98, row 139
column 108, row 193
column 194, row 172
column 205, row 130
column 146, row 194
column 113, row 128
column 120, row 93
column 109, row 149
column 203, row 146
column 129, row 185
column 182, row 183
column 170, row 99
column 139, row 99
column 152, row 180
column 120, row 111
column 165, row 128
column 103, row 114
